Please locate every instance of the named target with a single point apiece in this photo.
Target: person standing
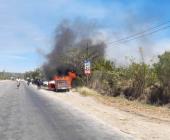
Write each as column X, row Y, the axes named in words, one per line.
column 18, row 82
column 38, row 83
column 28, row 81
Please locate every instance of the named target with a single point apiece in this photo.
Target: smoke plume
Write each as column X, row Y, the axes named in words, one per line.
column 74, row 42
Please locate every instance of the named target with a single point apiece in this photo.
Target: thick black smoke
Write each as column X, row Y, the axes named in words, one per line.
column 74, row 42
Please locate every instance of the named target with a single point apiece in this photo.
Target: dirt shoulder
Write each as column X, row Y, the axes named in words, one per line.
column 153, row 123
column 158, row 113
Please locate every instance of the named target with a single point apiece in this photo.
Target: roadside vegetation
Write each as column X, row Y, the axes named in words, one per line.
column 146, row 83
column 9, row 75
column 3, row 75
column 140, row 82
column 35, row 74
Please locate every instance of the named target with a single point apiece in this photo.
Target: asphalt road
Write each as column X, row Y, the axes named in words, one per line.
column 27, row 115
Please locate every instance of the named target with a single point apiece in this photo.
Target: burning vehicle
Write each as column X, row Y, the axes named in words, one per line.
column 62, row 82
column 71, row 43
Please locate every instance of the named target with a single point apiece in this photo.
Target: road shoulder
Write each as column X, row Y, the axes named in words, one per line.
column 138, row 126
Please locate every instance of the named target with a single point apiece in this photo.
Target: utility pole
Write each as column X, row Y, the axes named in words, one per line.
column 87, row 58
column 87, row 51
column 144, row 69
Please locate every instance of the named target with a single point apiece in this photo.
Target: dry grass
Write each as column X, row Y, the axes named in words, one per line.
column 84, row 91
column 146, row 110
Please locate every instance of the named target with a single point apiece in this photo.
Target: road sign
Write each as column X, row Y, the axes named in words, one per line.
column 87, row 67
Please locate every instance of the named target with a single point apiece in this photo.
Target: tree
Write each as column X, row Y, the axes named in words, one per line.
column 37, row 73
column 163, row 69
column 103, row 65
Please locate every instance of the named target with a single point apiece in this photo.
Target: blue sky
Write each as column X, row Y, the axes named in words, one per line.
column 27, row 27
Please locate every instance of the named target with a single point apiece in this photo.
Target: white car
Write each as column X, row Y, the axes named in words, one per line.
column 45, row 83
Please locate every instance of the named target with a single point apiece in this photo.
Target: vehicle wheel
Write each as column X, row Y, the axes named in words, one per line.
column 67, row 90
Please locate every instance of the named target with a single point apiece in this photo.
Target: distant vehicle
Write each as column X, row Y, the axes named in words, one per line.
column 12, row 78
column 28, row 81
column 62, row 83
column 45, row 83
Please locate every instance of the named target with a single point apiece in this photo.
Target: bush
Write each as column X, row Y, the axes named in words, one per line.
column 129, row 93
column 157, row 96
column 136, row 82
column 106, row 83
column 163, row 71
column 78, row 82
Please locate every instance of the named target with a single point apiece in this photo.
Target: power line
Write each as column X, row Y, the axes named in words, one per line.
column 138, row 35
column 143, row 33
column 150, row 33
